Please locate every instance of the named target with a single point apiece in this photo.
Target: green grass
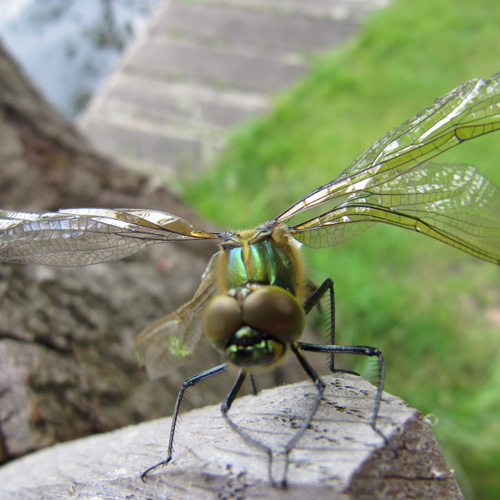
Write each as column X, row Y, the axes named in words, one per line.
column 433, row 310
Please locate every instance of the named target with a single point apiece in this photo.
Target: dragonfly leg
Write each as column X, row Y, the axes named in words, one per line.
column 333, row 349
column 190, row 382
column 314, row 299
column 320, row 386
column 226, row 405
column 254, row 384
column 357, row 350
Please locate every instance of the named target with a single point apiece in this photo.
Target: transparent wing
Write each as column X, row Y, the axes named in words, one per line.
column 171, row 341
column 469, row 111
column 392, row 183
column 452, row 203
column 84, row 236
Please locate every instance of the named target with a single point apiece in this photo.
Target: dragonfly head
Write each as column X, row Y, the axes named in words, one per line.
column 253, row 325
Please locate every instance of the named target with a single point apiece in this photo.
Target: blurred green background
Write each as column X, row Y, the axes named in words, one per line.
column 434, row 311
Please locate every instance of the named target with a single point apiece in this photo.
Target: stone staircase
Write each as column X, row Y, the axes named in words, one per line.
column 204, row 67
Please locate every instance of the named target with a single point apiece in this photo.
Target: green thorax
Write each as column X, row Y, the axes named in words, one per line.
column 263, row 260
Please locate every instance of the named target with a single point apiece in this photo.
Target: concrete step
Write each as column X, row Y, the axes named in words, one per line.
column 175, row 61
column 203, row 68
column 143, row 148
column 263, row 31
column 187, row 104
column 340, row 10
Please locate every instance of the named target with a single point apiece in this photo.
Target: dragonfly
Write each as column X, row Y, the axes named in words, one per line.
column 254, row 296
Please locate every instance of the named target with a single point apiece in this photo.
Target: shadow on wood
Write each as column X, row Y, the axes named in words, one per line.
column 339, row 456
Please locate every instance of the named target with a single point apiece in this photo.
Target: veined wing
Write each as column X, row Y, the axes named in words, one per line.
column 465, row 113
column 84, row 236
column 452, row 203
column 171, row 341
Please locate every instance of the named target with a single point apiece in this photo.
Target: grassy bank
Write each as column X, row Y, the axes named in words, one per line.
column 433, row 310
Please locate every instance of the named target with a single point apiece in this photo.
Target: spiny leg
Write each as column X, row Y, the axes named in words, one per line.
column 188, row 383
column 357, row 350
column 320, row 386
column 254, row 384
column 313, row 300
column 332, row 349
column 296, row 348
column 226, row 405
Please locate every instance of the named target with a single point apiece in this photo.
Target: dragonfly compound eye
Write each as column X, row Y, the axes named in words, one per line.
column 221, row 319
column 275, row 311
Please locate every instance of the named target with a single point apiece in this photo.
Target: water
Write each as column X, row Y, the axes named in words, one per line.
column 68, row 47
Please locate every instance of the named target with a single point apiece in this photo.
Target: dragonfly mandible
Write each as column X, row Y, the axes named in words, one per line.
column 253, row 297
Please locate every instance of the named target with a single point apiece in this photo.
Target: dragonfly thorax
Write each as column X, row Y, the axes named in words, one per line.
column 253, row 324
column 261, row 257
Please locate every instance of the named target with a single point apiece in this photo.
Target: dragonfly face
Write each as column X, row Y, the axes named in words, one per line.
column 249, row 300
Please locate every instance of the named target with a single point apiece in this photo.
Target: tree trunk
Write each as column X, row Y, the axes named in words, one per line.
column 67, row 364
